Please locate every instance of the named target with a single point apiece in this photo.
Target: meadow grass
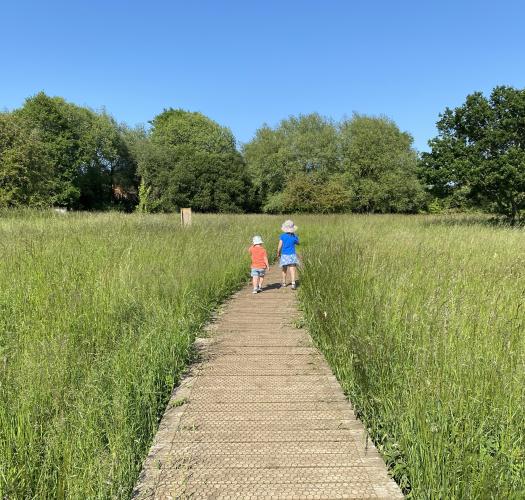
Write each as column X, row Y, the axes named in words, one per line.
column 422, row 320
column 98, row 314
column 420, row 317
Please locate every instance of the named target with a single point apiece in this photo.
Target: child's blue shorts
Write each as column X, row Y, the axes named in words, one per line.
column 258, row 273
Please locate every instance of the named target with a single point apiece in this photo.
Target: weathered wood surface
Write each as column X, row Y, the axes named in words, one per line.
column 262, row 416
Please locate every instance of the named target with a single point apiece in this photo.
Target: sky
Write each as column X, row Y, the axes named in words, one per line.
column 244, row 63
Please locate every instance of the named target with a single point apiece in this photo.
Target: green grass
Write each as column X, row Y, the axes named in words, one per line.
column 97, row 318
column 422, row 319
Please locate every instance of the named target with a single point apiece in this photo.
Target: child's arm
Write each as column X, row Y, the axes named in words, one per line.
column 279, row 248
column 266, row 261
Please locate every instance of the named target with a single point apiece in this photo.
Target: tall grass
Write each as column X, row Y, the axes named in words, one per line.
column 422, row 320
column 97, row 318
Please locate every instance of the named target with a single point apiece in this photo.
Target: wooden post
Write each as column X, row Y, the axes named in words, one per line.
column 185, row 216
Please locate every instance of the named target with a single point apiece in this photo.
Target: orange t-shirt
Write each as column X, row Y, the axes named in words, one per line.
column 259, row 255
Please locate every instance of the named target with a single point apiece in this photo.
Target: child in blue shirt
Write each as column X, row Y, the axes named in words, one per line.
column 286, row 251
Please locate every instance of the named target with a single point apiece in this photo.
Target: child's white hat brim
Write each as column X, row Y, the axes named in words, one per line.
column 257, row 240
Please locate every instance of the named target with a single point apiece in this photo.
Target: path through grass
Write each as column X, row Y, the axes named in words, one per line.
column 421, row 319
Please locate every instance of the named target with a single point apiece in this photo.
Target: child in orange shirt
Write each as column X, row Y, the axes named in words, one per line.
column 259, row 263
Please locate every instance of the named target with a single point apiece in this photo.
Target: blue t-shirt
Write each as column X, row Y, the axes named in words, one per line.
column 289, row 241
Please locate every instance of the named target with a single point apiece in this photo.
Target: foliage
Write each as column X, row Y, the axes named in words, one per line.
column 481, row 148
column 98, row 313
column 299, row 145
column 25, row 170
column 191, row 161
column 176, row 127
column 421, row 320
column 364, row 164
column 56, row 153
column 310, row 193
column 380, row 160
column 144, row 198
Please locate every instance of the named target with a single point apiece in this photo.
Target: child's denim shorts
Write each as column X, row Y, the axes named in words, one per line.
column 258, row 273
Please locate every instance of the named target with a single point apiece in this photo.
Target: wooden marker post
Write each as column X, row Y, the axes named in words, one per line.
column 185, row 216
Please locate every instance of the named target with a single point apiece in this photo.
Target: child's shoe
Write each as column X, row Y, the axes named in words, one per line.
column 255, row 290
column 294, row 286
column 259, row 289
column 283, row 285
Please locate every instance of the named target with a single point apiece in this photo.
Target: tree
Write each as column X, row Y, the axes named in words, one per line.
column 311, row 164
column 298, row 145
column 382, row 166
column 266, row 164
column 25, row 169
column 480, row 150
column 61, row 154
column 48, row 118
column 176, row 127
column 191, row 161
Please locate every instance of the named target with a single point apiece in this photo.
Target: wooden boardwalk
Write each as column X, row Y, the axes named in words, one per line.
column 261, row 416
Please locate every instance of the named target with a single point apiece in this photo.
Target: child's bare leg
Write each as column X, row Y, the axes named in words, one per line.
column 261, row 279
column 292, row 273
column 283, row 269
column 255, row 281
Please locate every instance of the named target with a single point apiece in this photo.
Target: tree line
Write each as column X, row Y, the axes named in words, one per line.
column 55, row 153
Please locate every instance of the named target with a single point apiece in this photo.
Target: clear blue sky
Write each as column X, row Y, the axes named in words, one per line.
column 247, row 62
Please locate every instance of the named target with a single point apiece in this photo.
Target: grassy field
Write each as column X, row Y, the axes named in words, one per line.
column 422, row 320
column 420, row 317
column 97, row 318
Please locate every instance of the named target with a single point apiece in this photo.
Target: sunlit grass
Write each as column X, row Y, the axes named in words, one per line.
column 97, row 318
column 420, row 317
column 422, row 320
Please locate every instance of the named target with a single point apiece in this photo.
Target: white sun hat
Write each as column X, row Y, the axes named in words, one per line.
column 289, row 227
column 257, row 240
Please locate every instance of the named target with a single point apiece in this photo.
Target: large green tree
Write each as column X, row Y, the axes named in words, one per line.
column 480, row 151
column 189, row 160
column 301, row 145
column 26, row 172
column 56, row 153
column 380, row 165
column 311, row 164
